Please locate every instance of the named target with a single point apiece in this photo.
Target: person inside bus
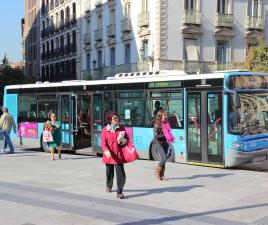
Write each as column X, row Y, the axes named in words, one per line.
column 157, row 108
column 56, row 133
column 233, row 118
column 113, row 138
column 162, row 140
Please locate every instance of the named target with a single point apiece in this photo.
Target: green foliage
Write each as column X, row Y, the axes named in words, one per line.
column 10, row 76
column 257, row 59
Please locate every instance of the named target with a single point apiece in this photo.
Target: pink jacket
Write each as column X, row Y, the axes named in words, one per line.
column 109, row 142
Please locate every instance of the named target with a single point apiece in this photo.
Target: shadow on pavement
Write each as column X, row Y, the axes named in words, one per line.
column 145, row 192
column 201, row 176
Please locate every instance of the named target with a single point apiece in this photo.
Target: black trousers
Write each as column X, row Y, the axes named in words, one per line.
column 120, row 176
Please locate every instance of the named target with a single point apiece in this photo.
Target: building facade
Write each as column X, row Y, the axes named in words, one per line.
column 60, row 40
column 31, row 38
column 196, row 36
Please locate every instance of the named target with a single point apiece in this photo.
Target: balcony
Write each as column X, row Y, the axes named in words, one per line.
column 98, row 35
column 224, row 20
column 254, row 22
column 221, row 66
column 98, row 3
column 143, row 66
column 73, row 48
column 192, row 67
column 192, row 17
column 143, row 19
column 67, row 49
column 110, row 30
column 87, row 39
column 51, row 29
column 126, row 25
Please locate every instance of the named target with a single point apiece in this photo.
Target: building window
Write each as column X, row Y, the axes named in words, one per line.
column 191, row 50
column 127, row 54
column 145, row 49
column 99, row 59
column 190, row 4
column 126, row 10
column 99, row 22
column 112, row 17
column 255, row 8
column 112, row 56
column 144, row 6
column 88, row 62
column 222, row 6
column 222, row 47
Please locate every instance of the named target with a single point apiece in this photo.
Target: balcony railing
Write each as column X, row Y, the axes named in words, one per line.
column 111, row 30
column 224, row 20
column 126, row 25
column 192, row 67
column 221, row 66
column 254, row 22
column 192, row 17
column 87, row 39
column 143, row 66
column 143, row 19
column 98, row 35
column 61, row 25
column 67, row 22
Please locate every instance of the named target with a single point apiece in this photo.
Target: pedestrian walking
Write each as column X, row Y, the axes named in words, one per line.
column 55, row 128
column 6, row 124
column 162, row 139
column 113, row 138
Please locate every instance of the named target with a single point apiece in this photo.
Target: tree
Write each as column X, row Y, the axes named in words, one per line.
column 10, row 76
column 257, row 59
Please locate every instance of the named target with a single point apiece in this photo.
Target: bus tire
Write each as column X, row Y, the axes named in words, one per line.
column 44, row 146
column 170, row 157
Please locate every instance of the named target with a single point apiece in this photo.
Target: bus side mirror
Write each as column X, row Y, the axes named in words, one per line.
column 236, row 101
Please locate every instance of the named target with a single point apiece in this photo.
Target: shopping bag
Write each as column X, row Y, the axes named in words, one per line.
column 129, row 153
column 47, row 136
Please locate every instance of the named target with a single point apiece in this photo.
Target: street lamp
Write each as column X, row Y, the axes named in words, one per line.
column 94, row 64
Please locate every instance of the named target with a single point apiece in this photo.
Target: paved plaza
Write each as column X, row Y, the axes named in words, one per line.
column 37, row 191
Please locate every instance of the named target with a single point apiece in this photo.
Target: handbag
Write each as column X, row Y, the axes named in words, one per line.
column 47, row 136
column 129, row 153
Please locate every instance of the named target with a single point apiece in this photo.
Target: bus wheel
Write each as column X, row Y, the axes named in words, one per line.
column 170, row 154
column 44, row 146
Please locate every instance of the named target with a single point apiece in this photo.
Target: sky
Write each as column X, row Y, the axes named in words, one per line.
column 11, row 13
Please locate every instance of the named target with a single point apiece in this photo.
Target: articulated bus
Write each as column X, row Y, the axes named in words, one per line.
column 218, row 119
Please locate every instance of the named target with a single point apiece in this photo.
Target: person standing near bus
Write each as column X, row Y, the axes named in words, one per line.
column 6, row 124
column 55, row 126
column 161, row 142
column 113, row 138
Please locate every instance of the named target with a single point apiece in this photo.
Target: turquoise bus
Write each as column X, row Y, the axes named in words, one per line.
column 218, row 119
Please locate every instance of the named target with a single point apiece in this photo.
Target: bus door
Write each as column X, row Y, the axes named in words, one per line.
column 66, row 123
column 82, row 117
column 98, row 121
column 204, row 127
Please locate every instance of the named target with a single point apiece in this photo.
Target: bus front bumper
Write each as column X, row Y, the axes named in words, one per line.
column 236, row 158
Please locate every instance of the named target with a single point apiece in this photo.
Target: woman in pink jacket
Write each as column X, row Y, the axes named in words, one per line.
column 113, row 138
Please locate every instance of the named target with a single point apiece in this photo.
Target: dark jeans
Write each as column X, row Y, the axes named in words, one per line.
column 8, row 141
column 120, row 176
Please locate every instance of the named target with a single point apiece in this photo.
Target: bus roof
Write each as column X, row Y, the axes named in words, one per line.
column 147, row 77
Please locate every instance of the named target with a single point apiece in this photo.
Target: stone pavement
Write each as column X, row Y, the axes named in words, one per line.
column 37, row 191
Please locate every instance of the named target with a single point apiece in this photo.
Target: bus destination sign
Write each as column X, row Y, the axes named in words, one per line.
column 165, row 84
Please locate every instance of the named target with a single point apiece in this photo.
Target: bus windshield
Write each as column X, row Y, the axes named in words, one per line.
column 252, row 115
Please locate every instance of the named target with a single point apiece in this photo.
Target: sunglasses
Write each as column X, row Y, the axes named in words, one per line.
column 115, row 118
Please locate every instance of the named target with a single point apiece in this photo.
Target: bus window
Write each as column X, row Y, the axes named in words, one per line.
column 46, row 104
column 131, row 112
column 27, row 108
column 171, row 102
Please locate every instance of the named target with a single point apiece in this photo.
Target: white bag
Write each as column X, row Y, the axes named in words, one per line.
column 47, row 136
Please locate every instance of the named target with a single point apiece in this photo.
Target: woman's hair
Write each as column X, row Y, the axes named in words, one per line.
column 159, row 118
column 110, row 115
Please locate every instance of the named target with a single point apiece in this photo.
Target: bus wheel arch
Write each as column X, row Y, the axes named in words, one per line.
column 155, row 156
column 43, row 145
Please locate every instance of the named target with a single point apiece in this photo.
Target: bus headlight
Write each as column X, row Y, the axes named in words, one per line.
column 237, row 145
